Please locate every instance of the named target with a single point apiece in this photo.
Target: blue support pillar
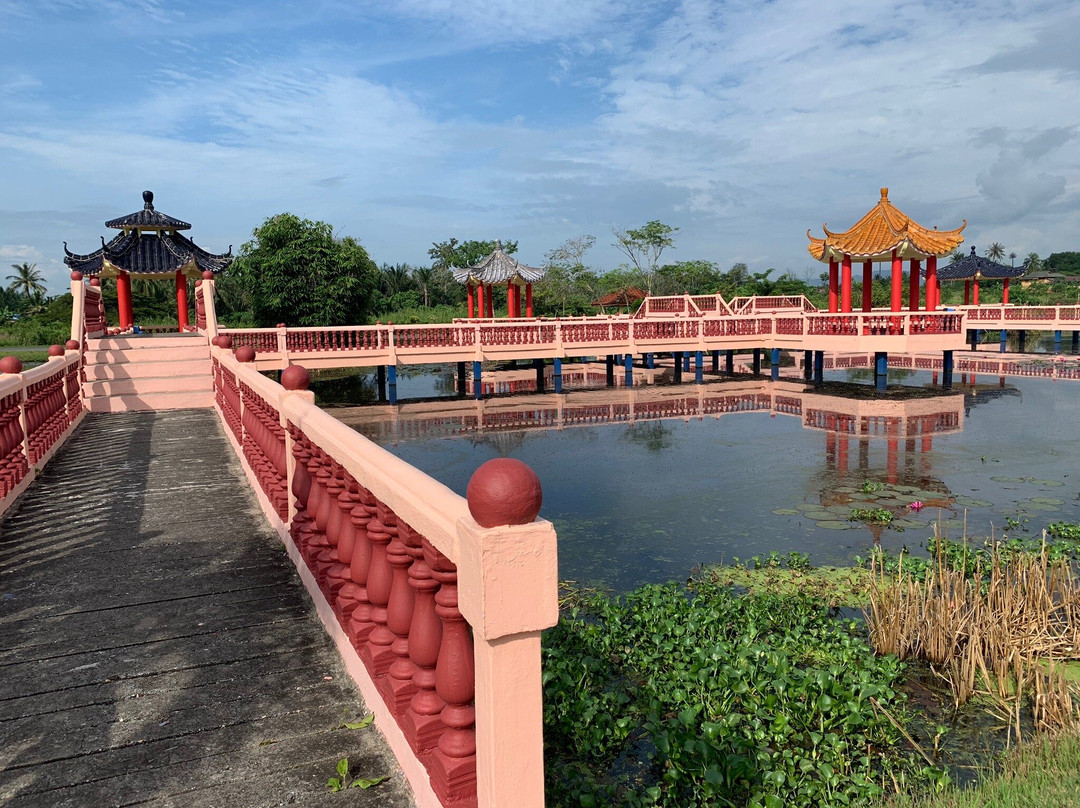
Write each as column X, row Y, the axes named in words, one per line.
column 558, row 375
column 698, row 367
column 774, row 365
column 819, row 367
column 946, row 369
column 628, row 367
column 477, row 382
column 715, row 361
column 1057, row 341
column 881, row 370
column 650, row 361
column 757, row 361
column 1022, row 347
column 610, row 368
column 391, row 383
column 729, row 362
column 1004, row 334
column 686, row 361
column 808, row 365
column 677, row 364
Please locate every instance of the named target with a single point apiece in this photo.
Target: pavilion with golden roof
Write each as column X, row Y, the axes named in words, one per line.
column 884, row 234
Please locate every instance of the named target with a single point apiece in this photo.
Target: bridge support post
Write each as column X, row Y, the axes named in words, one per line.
column 380, row 381
column 610, row 363
column 715, row 361
column 628, row 368
column 461, row 378
column 973, row 338
column 808, row 365
column 686, row 361
column 1076, row 342
column 1023, row 340
column 391, row 383
column 774, row 366
column 1057, row 341
column 819, row 367
column 881, row 370
column 729, row 362
column 538, row 365
column 477, row 381
column 1004, row 337
column 558, row 375
column 650, row 361
column 946, row 369
column 698, row 368
column 677, row 363
column 757, row 361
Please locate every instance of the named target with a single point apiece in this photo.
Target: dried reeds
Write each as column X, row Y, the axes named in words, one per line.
column 985, row 631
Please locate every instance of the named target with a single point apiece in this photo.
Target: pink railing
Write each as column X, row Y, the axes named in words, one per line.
column 38, row 409
column 746, row 305
column 1064, row 314
column 668, row 305
column 200, row 308
column 381, row 546
column 93, row 311
column 883, row 324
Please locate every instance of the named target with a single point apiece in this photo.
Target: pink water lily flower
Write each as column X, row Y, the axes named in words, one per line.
column 916, row 505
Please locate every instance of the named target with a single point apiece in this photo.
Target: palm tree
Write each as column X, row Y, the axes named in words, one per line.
column 995, row 251
column 1012, row 259
column 425, row 278
column 27, row 280
column 1032, row 263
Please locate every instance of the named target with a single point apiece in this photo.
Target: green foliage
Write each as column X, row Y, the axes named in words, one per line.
column 1067, row 263
column 644, row 246
column 295, row 271
column 344, row 781
column 1064, row 530
column 27, row 281
column 872, row 516
column 451, row 253
column 694, row 696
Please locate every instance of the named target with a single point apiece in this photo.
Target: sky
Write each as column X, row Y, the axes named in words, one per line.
column 405, row 123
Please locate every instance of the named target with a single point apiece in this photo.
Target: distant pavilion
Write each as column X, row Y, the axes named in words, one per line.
column 972, row 268
column 150, row 246
column 884, row 234
column 499, row 268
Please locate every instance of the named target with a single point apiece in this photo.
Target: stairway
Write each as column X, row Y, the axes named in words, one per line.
column 147, row 373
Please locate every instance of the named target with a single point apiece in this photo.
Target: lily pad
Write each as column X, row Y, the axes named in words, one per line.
column 1007, row 479
column 907, row 489
column 1048, row 501
column 1048, row 483
column 834, row 524
column 818, row 516
column 1041, row 506
column 808, row 506
column 785, row 511
column 971, row 502
column 906, row 524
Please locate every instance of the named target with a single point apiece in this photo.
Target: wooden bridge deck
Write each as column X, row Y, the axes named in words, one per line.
column 156, row 645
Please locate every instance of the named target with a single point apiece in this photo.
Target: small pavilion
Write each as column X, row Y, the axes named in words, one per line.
column 499, row 268
column 621, row 298
column 972, row 268
column 150, row 246
column 885, row 234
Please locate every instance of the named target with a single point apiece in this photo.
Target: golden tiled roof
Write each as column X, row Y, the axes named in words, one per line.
column 884, row 229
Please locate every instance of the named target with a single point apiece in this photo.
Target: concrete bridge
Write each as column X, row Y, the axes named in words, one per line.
column 434, row 602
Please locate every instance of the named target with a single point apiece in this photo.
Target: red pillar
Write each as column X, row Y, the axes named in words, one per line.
column 123, row 301
column 913, row 285
column 491, row 302
column 967, row 293
column 845, row 285
column 510, row 299
column 528, row 300
column 517, row 300
column 181, row 300
column 868, row 286
column 932, row 290
column 472, row 300
column 480, row 298
column 834, row 281
column 897, row 282
column 1005, row 293
column 975, row 292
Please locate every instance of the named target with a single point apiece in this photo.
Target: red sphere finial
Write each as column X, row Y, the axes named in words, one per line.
column 95, row 281
column 504, row 491
column 207, row 275
column 76, row 275
column 72, row 345
column 245, row 353
column 198, row 281
column 224, row 341
column 10, row 364
column 295, row 377
column 56, row 350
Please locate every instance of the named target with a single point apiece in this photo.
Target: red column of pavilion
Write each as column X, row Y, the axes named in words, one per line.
column 868, row 286
column 897, row 282
column 472, row 300
column 834, row 278
column 913, row 285
column 933, row 291
column 181, row 300
column 480, row 298
column 845, row 285
column 123, row 301
column 528, row 300
column 1005, row 293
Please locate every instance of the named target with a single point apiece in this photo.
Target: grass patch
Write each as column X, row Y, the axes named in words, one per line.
column 834, row 586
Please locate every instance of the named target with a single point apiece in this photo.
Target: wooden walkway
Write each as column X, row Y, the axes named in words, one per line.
column 156, row 645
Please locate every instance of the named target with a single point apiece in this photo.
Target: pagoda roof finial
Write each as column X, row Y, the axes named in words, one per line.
column 148, row 200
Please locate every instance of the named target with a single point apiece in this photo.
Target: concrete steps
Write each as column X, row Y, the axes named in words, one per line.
column 147, row 373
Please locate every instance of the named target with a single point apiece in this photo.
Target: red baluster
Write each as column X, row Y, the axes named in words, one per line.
column 397, row 688
column 421, row 722
column 360, row 621
column 376, row 652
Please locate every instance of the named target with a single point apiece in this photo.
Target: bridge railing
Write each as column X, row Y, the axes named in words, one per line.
column 1063, row 314
column 437, row 618
column 762, row 303
column 38, row 410
column 883, row 323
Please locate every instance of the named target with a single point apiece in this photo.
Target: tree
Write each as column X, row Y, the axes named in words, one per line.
column 451, row 253
column 1012, row 259
column 644, row 245
column 425, row 281
column 689, row 278
column 995, row 251
column 569, row 286
column 1032, row 263
column 295, row 271
column 26, row 280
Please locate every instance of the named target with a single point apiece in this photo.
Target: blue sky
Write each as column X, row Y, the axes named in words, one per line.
column 404, row 123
